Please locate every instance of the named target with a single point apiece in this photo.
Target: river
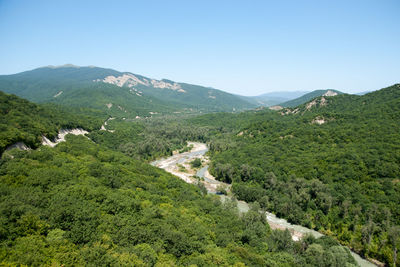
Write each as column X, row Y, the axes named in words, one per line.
column 179, row 165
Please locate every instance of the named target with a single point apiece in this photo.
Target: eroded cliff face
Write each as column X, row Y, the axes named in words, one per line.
column 330, row 93
column 130, row 80
column 61, row 136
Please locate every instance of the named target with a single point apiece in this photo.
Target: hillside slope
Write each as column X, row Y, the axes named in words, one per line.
column 331, row 164
column 82, row 204
column 23, row 121
column 50, row 84
column 115, row 101
column 307, row 97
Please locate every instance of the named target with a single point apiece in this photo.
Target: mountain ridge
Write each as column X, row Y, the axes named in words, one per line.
column 309, row 96
column 42, row 84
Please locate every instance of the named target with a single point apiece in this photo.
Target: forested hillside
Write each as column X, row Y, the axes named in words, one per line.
column 114, row 101
column 148, row 139
column 41, row 84
column 331, row 164
column 80, row 203
column 23, row 121
column 117, row 92
column 307, row 97
column 75, row 87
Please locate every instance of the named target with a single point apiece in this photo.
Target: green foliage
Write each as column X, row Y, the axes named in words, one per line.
column 77, row 207
column 198, row 97
column 84, row 202
column 148, row 139
column 124, row 103
column 196, row 163
column 340, row 178
column 22, row 121
column 307, row 97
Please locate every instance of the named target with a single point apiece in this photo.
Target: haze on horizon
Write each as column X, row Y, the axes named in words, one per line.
column 242, row 48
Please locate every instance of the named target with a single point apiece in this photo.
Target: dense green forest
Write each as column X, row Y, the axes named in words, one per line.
column 339, row 177
column 150, row 138
column 332, row 166
column 114, row 101
column 82, row 204
column 23, row 121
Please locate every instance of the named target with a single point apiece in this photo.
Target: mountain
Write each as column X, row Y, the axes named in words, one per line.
column 307, row 97
column 195, row 96
column 273, row 98
column 331, row 164
column 116, row 92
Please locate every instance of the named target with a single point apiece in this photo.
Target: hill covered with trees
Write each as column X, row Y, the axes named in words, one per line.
column 309, row 96
column 81, row 203
column 130, row 93
column 23, row 121
column 331, row 164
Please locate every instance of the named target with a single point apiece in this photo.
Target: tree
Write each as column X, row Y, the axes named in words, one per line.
column 394, row 240
column 196, row 163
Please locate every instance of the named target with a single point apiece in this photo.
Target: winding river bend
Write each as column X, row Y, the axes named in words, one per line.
column 179, row 165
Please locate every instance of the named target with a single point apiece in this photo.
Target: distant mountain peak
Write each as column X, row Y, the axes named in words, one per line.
column 310, row 96
column 64, row 66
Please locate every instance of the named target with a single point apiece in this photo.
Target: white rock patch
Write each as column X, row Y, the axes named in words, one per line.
column 311, row 104
column 61, row 136
column 58, row 94
column 275, row 107
column 103, row 127
column 130, row 80
column 318, row 120
column 18, row 145
column 167, row 85
column 330, row 93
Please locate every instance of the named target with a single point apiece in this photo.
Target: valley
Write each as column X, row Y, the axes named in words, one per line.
column 189, row 175
column 200, row 133
column 294, row 185
column 179, row 165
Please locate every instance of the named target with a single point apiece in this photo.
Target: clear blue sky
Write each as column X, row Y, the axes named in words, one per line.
column 246, row 47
